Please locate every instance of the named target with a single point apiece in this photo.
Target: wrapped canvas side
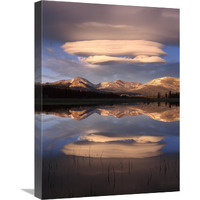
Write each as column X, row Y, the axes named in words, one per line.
column 38, row 100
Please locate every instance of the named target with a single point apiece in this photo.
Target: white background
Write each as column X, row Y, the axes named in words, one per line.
column 17, row 99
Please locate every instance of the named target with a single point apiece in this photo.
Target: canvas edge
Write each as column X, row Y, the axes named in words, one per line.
column 38, row 99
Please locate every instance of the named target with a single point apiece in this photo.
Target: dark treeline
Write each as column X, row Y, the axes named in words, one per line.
column 172, row 95
column 56, row 92
column 169, row 95
column 49, row 91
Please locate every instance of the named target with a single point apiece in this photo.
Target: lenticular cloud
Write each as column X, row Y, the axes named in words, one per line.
column 131, row 51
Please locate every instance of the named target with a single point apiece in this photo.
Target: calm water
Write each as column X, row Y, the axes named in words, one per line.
column 109, row 149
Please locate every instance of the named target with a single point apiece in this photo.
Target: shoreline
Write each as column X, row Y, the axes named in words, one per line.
column 90, row 101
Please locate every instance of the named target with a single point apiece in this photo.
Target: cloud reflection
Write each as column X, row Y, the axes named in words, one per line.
column 108, row 147
column 137, row 138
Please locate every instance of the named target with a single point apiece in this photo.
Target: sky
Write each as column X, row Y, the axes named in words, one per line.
column 108, row 43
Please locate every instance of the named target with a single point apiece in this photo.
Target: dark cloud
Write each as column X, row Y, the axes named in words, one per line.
column 66, row 22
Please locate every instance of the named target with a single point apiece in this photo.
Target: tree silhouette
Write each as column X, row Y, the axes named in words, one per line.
column 158, row 96
column 170, row 94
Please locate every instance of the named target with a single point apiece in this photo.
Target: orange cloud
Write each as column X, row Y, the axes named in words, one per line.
column 100, row 51
column 137, row 59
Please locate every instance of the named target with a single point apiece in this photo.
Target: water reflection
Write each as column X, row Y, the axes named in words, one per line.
column 109, row 124
column 136, row 138
column 101, row 146
column 113, row 149
column 160, row 112
column 109, row 149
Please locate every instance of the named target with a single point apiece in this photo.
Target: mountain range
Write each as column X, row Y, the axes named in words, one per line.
column 162, row 85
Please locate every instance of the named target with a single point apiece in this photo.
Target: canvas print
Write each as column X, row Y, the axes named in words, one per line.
column 107, row 99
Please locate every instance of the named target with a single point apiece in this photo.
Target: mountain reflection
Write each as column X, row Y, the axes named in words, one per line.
column 159, row 112
column 99, row 146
